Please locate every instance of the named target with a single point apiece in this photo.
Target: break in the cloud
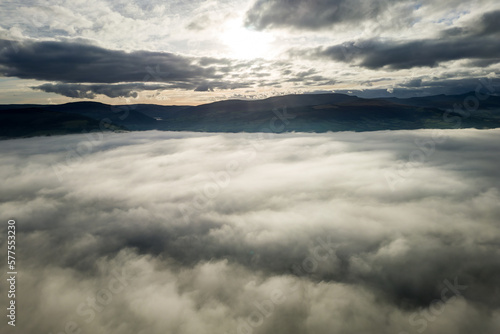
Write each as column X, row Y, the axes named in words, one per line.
column 383, row 232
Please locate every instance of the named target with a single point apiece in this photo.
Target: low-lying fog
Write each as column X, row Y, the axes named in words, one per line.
column 164, row 232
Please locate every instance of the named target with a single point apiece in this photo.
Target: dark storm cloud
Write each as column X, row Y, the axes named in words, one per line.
column 376, row 54
column 82, row 63
column 309, row 215
column 313, row 14
column 487, row 24
column 490, row 23
column 477, row 41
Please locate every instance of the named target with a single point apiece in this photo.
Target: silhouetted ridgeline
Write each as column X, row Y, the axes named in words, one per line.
column 301, row 113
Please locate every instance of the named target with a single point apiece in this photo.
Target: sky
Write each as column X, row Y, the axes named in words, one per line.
column 374, row 232
column 194, row 52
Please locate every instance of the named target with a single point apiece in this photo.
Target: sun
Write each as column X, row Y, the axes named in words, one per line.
column 243, row 43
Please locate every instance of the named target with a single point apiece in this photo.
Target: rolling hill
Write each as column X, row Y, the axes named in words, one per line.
column 304, row 113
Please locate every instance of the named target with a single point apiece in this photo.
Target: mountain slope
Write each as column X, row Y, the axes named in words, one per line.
column 319, row 113
column 305, row 113
column 29, row 122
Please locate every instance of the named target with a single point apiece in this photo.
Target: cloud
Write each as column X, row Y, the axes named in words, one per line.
column 476, row 41
column 313, row 15
column 373, row 17
column 90, row 91
column 132, row 89
column 184, row 45
column 71, row 62
column 426, row 86
column 486, row 25
column 309, row 77
column 83, row 63
column 113, row 90
column 395, row 55
column 235, row 233
column 199, row 23
column 82, row 70
column 85, row 70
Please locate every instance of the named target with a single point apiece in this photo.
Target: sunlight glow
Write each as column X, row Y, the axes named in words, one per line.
column 243, row 43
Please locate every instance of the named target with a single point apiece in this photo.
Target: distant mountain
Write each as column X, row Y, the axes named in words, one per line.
column 304, row 113
column 125, row 116
column 158, row 112
column 328, row 112
column 29, row 122
column 448, row 101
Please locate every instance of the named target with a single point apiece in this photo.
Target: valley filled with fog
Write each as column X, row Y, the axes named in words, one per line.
column 181, row 232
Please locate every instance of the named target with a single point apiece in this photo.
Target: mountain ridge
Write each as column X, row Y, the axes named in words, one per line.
column 304, row 112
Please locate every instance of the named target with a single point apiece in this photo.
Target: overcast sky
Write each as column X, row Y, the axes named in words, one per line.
column 192, row 52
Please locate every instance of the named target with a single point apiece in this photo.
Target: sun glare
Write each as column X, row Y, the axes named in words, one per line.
column 243, row 43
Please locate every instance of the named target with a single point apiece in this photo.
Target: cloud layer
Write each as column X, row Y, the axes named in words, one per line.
column 256, row 233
